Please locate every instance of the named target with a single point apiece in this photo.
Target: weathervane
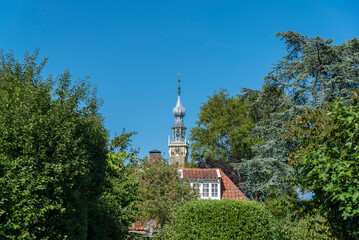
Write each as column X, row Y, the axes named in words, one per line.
column 179, row 84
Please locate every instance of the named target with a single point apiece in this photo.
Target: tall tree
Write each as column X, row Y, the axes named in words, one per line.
column 222, row 131
column 265, row 170
column 328, row 163
column 312, row 73
column 53, row 148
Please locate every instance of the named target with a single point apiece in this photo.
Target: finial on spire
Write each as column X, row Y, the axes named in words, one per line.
column 179, row 84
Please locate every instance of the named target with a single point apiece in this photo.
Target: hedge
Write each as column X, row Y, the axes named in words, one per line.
column 225, row 219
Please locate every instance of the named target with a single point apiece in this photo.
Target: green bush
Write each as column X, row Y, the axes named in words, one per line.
column 225, row 219
column 306, row 228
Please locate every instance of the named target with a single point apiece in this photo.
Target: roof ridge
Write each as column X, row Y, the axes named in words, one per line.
column 199, row 168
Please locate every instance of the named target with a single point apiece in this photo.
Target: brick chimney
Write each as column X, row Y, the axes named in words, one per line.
column 154, row 155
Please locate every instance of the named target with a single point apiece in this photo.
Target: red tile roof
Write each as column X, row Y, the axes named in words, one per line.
column 229, row 189
column 198, row 173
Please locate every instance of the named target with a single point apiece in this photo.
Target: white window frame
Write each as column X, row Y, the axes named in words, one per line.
column 206, row 190
column 214, row 190
column 210, row 185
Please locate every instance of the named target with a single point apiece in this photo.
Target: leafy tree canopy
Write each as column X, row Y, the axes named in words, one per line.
column 312, row 73
column 327, row 163
column 53, row 148
column 222, row 131
column 162, row 191
column 123, row 142
column 116, row 209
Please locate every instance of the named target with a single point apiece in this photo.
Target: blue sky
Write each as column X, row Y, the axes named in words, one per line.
column 133, row 50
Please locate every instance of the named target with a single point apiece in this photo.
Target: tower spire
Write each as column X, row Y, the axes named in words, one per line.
column 179, row 84
column 178, row 144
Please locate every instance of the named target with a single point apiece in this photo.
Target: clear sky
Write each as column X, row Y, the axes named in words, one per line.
column 133, row 50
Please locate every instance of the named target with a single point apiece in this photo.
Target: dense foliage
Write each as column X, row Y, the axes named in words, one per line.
column 308, row 227
column 225, row 219
column 116, row 206
column 162, row 192
column 298, row 218
column 266, row 170
column 328, row 163
column 222, row 131
column 312, row 73
column 53, row 148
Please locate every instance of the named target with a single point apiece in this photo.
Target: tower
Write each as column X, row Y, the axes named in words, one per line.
column 178, row 144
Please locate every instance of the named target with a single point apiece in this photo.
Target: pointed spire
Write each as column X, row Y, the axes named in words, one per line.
column 179, row 111
column 179, row 84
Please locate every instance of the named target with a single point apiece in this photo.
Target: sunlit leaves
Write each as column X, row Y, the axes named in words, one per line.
column 52, row 152
column 328, row 163
column 222, row 131
column 162, row 191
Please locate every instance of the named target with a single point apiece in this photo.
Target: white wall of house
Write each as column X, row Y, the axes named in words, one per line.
column 208, row 189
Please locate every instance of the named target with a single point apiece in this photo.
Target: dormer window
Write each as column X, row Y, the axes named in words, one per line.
column 212, row 183
column 208, row 189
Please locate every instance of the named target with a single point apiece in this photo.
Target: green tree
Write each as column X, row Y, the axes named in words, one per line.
column 162, row 192
column 123, row 142
column 264, row 172
column 222, row 131
column 299, row 218
column 327, row 163
column 308, row 227
column 312, row 73
column 116, row 207
column 53, row 148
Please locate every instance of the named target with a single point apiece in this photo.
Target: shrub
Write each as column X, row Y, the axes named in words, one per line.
column 225, row 219
column 306, row 228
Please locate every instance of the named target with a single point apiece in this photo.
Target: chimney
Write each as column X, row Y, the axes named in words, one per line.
column 154, row 155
